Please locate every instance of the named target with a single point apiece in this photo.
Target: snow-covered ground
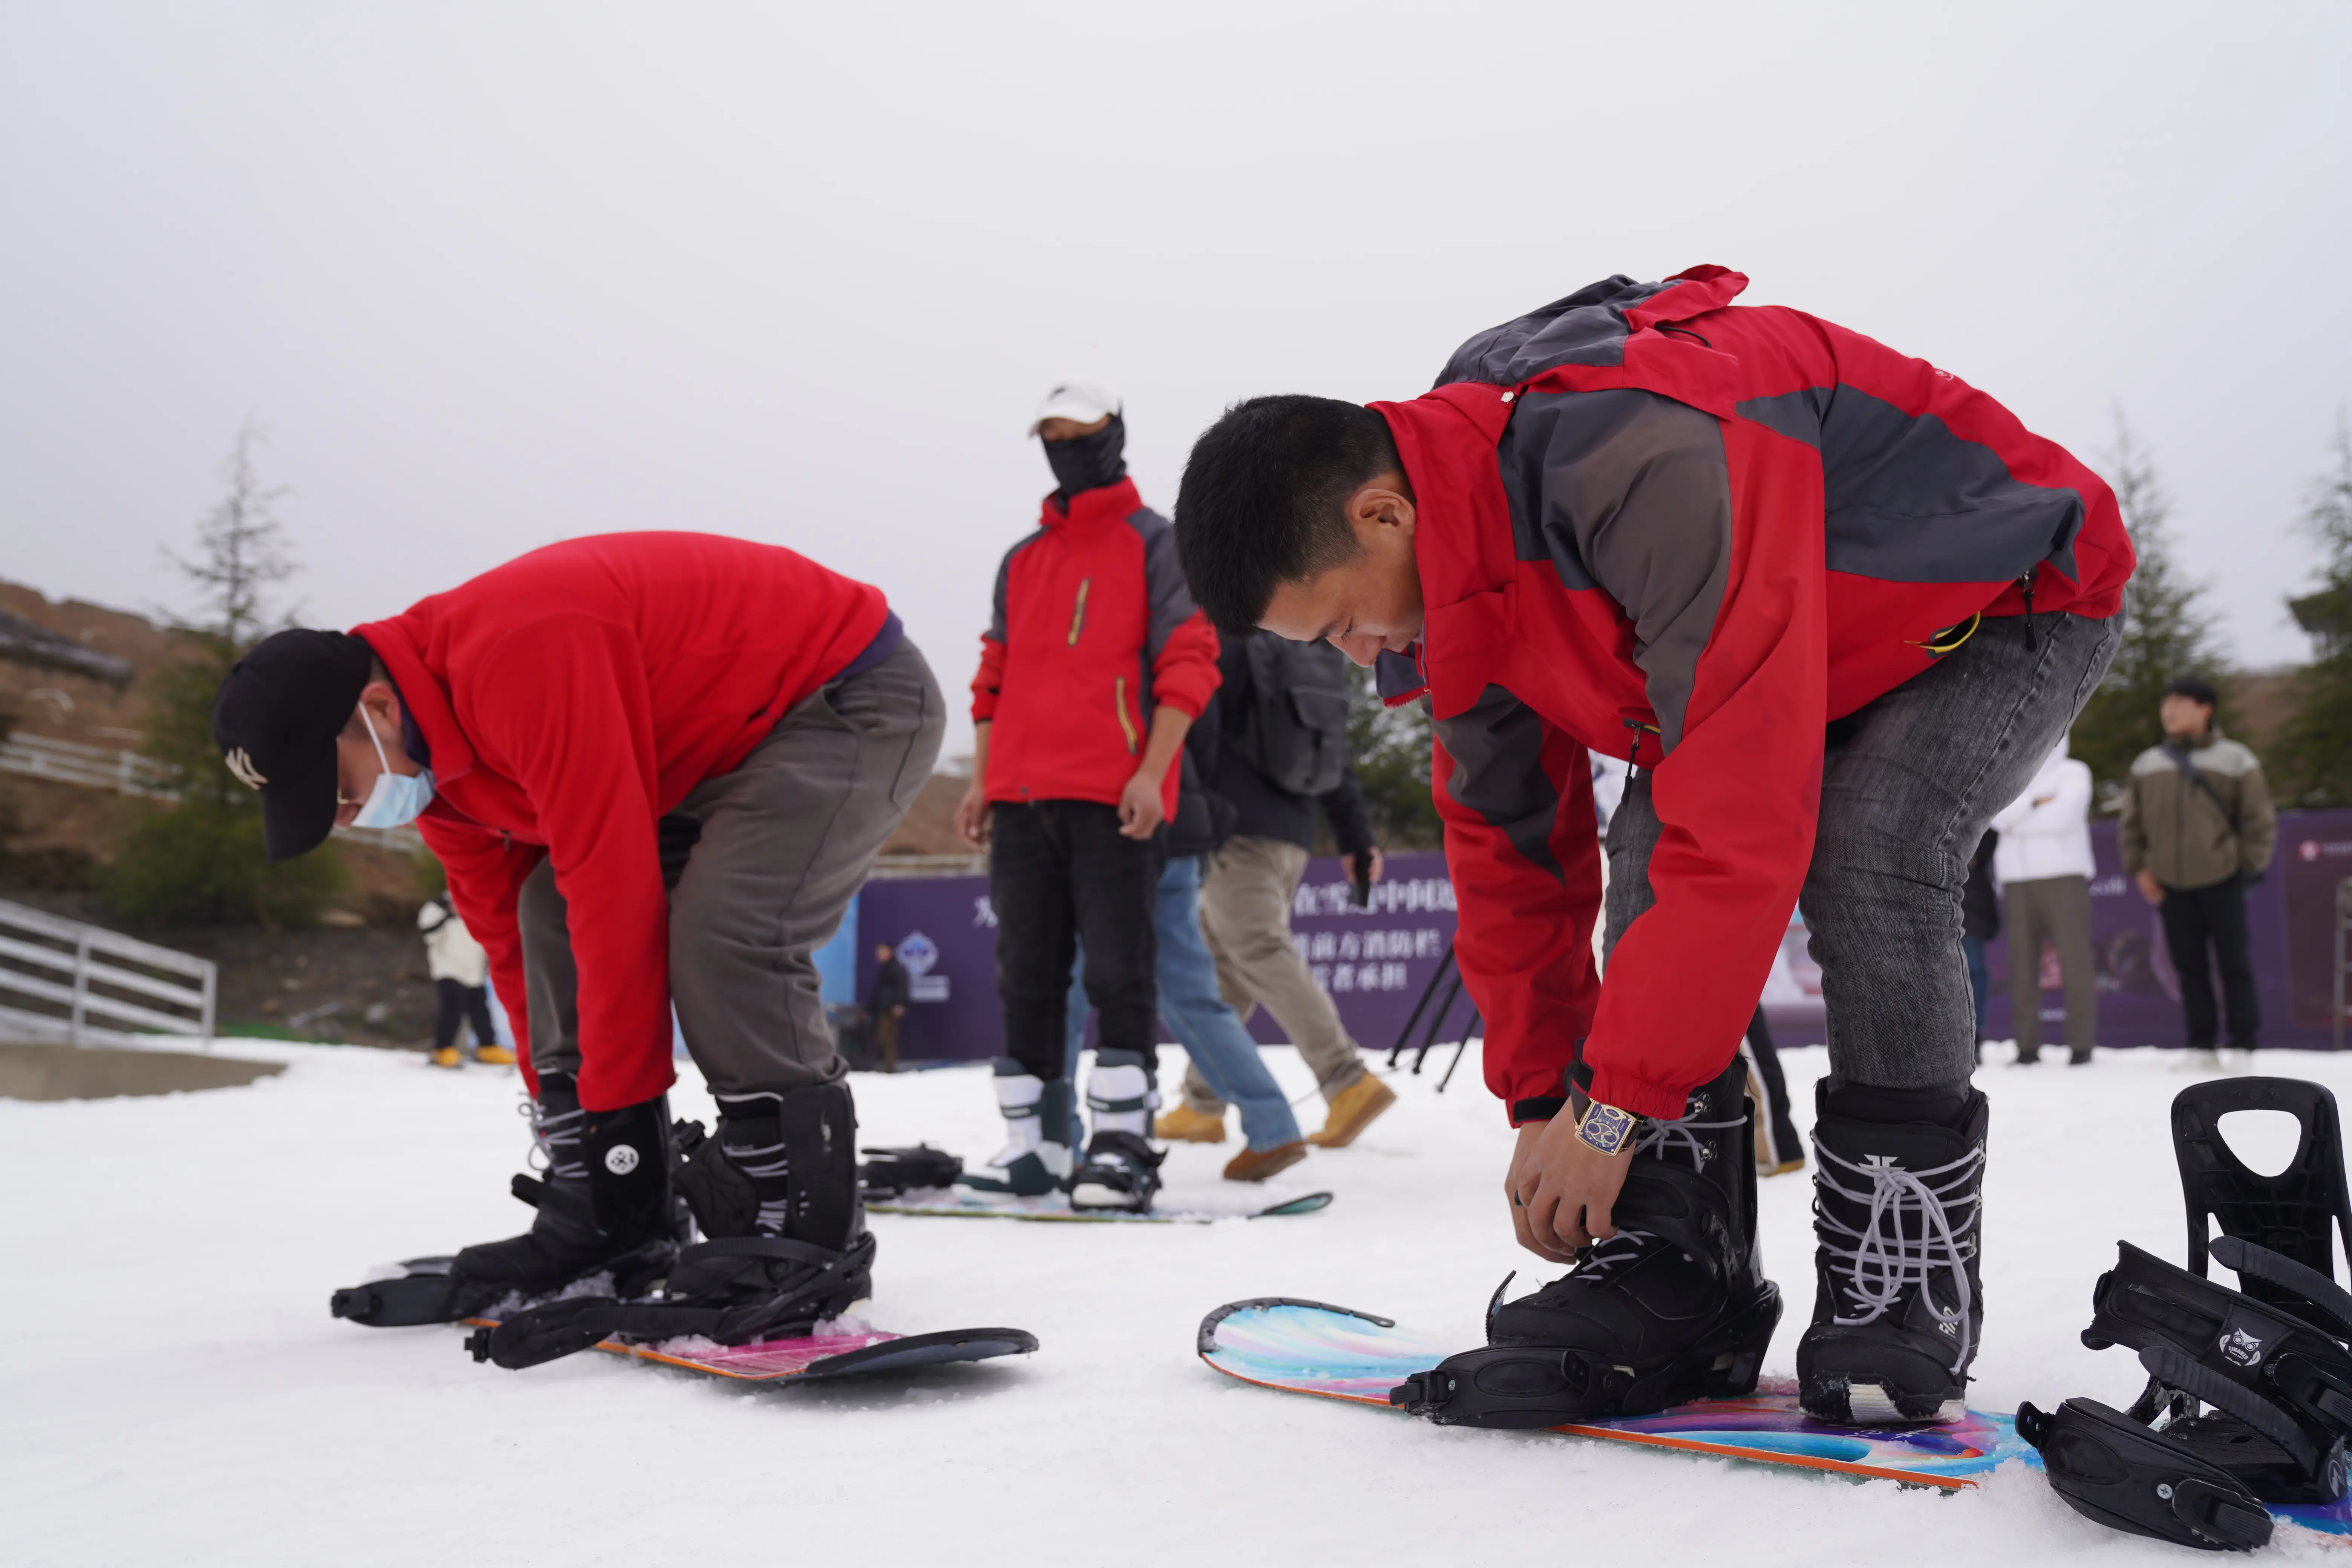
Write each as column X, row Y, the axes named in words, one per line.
column 173, row 1390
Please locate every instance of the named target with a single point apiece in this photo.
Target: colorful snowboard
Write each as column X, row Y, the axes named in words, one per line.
column 962, row 1203
column 822, row 1356
column 1306, row 1347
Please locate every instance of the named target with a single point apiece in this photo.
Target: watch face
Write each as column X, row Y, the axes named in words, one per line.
column 1605, row 1128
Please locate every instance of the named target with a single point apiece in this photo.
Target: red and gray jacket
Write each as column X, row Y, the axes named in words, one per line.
column 1094, row 627
column 1664, row 528
column 570, row 698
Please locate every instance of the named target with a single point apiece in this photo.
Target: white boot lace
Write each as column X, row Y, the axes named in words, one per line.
column 1877, row 1263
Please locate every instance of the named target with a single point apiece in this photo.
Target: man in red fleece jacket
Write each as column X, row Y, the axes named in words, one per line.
column 1093, row 668
column 656, row 767
column 1834, row 606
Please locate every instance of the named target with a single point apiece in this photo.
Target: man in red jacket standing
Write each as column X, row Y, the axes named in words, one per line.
column 1834, row 606
column 1093, row 667
column 656, row 767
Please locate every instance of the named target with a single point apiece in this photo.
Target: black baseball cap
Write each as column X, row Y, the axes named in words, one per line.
column 276, row 720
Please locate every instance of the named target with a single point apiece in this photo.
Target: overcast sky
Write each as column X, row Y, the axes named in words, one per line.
column 495, row 274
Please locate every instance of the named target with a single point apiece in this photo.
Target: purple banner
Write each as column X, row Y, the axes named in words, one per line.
column 1374, row 962
column 2290, row 914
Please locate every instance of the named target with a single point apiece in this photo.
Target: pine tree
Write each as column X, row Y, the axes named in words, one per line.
column 1391, row 748
column 2169, row 633
column 2312, row 764
column 199, row 858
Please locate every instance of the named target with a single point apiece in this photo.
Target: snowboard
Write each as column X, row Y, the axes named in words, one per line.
column 846, row 1352
column 1056, row 1208
column 1307, row 1347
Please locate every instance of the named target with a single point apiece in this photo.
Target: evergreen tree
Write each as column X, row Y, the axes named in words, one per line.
column 2312, row 760
column 1391, row 748
column 2169, row 633
column 199, row 856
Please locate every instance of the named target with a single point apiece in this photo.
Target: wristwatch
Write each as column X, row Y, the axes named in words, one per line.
column 1604, row 1129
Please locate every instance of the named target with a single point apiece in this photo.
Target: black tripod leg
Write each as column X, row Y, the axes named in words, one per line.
column 1436, row 978
column 1437, row 1022
column 1459, row 1046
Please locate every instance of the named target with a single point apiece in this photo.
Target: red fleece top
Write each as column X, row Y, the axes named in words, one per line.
column 1094, row 627
column 569, row 699
column 1658, row 526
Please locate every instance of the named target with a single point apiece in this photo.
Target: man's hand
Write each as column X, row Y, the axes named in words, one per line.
column 1140, row 811
column 2149, row 888
column 972, row 816
column 1561, row 1190
column 1376, row 866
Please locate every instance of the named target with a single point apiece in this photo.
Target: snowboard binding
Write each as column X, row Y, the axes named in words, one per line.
column 2249, row 1398
column 889, row 1173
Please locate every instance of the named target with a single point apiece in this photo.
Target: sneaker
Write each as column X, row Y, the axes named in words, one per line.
column 1352, row 1110
column 1257, row 1164
column 1186, row 1125
column 494, row 1055
column 1897, row 1309
column 447, row 1056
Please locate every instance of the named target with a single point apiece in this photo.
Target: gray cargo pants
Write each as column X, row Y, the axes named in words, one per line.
column 1908, row 782
column 787, row 838
column 2056, row 910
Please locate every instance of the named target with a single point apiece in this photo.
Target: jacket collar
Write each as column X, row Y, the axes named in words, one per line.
column 1105, row 503
column 399, row 643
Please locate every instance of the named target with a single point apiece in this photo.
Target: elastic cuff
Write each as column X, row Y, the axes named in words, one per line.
column 1542, row 1108
column 1659, row 1102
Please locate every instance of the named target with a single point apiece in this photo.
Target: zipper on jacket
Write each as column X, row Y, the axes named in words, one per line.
column 2032, row 640
column 1079, row 611
column 1633, row 757
column 1117, row 697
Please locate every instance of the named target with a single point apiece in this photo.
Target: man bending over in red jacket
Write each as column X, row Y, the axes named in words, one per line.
column 1834, row 606
column 1093, row 667
column 656, row 767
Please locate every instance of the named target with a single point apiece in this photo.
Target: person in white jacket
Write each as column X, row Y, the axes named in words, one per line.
column 461, row 972
column 2043, row 862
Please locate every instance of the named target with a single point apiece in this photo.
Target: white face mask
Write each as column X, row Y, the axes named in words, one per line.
column 397, row 799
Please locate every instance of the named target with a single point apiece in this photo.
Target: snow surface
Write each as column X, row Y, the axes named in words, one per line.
column 173, row 1390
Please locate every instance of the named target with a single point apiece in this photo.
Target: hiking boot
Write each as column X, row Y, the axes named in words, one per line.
column 447, row 1056
column 1674, row 1307
column 494, row 1055
column 1897, row 1309
column 1257, row 1164
column 1186, row 1125
column 1352, row 1110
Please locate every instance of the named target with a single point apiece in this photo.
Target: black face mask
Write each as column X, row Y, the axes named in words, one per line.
column 1088, row 462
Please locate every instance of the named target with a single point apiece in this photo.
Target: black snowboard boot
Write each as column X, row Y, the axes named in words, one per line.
column 776, row 1193
column 566, row 1243
column 1123, row 1170
column 1897, row 1309
column 1674, row 1307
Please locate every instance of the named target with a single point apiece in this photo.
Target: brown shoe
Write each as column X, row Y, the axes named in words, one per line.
column 1353, row 1108
column 1186, row 1125
column 1257, row 1165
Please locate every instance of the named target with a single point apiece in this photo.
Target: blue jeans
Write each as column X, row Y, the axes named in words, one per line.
column 1198, row 1016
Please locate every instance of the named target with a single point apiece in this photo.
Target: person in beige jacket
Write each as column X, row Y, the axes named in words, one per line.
column 2198, row 827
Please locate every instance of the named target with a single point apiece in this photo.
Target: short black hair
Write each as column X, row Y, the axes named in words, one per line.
column 1264, row 499
column 2194, row 690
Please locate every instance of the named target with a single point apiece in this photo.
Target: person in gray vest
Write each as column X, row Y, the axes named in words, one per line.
column 1281, row 753
column 2198, row 825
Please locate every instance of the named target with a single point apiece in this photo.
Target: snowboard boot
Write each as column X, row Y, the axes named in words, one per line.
column 1034, row 1161
column 777, row 1193
column 566, row 1243
column 1673, row 1308
column 1897, row 1309
column 1123, row 1170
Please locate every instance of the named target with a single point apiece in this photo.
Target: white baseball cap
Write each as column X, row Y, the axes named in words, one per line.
column 1082, row 401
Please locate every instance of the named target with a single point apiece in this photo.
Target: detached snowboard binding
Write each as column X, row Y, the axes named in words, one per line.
column 2273, row 1361
column 889, row 1173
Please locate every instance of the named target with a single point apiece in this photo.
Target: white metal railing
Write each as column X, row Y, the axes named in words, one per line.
column 89, row 977
column 97, row 767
